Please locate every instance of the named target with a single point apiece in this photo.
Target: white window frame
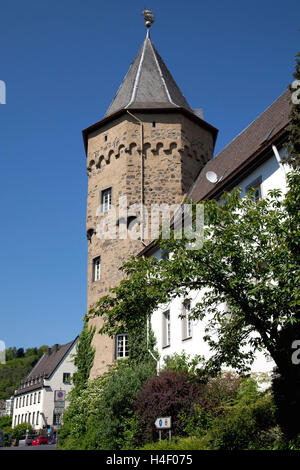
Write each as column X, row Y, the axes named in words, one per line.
column 186, row 323
column 166, row 329
column 121, row 346
column 97, row 269
column 106, row 198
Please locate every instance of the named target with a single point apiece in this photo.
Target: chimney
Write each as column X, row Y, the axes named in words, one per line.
column 49, row 351
column 56, row 347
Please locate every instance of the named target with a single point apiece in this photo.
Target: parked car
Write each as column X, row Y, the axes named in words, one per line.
column 1, row 438
column 26, row 440
column 40, row 440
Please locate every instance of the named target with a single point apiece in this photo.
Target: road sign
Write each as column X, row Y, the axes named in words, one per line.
column 163, row 423
column 59, row 395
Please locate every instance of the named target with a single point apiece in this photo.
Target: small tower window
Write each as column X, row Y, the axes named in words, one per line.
column 96, row 268
column 106, row 200
column 105, row 138
column 121, row 346
column 153, row 124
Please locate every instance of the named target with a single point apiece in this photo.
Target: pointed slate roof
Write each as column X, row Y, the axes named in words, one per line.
column 148, row 84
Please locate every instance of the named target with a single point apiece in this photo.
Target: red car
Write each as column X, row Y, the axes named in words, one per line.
column 40, row 440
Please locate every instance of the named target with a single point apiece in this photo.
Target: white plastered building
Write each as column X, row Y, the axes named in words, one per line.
column 41, row 398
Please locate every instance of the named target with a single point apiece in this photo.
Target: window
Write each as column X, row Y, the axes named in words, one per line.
column 33, row 416
column 27, row 398
column 29, row 417
column 39, row 397
column 96, row 268
column 17, row 403
column 34, row 398
column 255, row 186
column 66, row 377
column 37, row 417
column 31, row 398
column 121, row 346
column 166, row 329
column 106, row 200
column 186, row 322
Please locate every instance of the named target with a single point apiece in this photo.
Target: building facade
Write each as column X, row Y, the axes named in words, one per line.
column 42, row 396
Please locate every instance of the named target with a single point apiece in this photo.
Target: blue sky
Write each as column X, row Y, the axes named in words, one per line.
column 62, row 62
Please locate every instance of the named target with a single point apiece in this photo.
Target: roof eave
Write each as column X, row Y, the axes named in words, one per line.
column 260, row 155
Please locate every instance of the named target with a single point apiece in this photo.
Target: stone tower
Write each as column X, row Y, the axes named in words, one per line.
column 149, row 147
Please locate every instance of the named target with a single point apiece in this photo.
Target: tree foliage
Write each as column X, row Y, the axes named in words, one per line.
column 83, row 359
column 18, row 365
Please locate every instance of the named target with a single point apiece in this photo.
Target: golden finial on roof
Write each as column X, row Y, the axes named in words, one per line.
column 148, row 17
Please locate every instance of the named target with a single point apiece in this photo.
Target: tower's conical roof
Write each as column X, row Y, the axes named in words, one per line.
column 148, row 84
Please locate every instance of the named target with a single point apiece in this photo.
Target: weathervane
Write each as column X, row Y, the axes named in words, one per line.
column 148, row 17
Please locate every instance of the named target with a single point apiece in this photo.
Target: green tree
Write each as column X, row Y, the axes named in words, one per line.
column 249, row 262
column 10, row 353
column 20, row 430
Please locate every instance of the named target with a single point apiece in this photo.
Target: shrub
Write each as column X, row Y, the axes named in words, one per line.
column 102, row 416
column 219, row 392
column 114, row 419
column 183, row 443
column 169, row 394
column 246, row 424
column 184, row 363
